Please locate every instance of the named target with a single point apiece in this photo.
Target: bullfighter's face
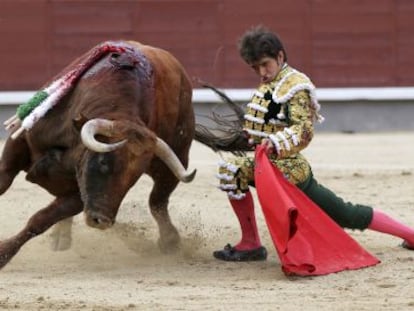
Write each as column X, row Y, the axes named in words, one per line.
column 267, row 68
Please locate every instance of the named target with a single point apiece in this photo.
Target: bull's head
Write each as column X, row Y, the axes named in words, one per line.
column 110, row 166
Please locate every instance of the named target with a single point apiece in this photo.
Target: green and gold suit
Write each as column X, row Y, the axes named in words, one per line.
column 284, row 111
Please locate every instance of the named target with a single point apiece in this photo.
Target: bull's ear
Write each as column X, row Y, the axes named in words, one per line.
column 79, row 121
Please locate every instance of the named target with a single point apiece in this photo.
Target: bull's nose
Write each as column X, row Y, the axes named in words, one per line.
column 97, row 220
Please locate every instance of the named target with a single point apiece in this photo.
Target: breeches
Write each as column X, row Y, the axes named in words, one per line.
column 345, row 214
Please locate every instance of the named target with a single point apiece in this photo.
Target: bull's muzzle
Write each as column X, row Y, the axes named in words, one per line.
column 98, row 220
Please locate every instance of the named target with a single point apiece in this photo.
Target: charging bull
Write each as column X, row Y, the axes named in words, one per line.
column 126, row 113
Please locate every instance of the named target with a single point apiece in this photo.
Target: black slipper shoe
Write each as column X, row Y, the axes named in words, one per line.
column 229, row 253
column 405, row 245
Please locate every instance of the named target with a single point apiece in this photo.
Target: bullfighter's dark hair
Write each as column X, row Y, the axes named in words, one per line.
column 259, row 42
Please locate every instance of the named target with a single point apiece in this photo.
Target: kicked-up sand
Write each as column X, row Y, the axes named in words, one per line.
column 122, row 268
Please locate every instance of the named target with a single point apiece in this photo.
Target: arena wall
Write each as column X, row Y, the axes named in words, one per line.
column 339, row 43
column 342, row 44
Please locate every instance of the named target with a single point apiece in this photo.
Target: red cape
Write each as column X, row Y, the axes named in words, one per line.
column 307, row 240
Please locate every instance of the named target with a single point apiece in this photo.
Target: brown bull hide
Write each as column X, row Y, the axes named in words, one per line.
column 143, row 99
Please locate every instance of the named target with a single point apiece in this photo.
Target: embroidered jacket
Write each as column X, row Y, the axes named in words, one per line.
column 284, row 111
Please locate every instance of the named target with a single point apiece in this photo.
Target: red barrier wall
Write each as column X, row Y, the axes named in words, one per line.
column 339, row 43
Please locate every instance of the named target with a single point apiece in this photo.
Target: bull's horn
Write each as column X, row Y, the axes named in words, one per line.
column 99, row 126
column 164, row 152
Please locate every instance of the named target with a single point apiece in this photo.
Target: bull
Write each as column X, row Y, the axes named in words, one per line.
column 129, row 113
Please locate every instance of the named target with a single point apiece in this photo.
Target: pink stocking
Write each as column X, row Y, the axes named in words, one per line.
column 381, row 222
column 244, row 210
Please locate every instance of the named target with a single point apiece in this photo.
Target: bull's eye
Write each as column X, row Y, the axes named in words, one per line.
column 103, row 164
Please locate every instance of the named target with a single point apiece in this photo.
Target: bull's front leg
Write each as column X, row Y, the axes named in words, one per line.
column 58, row 210
column 15, row 158
column 50, row 164
column 169, row 240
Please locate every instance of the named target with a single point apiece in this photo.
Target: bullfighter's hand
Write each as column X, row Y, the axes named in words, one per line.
column 269, row 147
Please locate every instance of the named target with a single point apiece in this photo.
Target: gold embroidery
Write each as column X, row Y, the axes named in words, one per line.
column 291, row 127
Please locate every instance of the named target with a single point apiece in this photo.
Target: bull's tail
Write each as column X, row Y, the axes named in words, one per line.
column 222, row 132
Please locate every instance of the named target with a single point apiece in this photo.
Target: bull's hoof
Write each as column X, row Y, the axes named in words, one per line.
column 60, row 242
column 61, row 236
column 169, row 246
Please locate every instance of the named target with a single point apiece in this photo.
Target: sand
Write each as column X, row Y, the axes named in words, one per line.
column 122, row 268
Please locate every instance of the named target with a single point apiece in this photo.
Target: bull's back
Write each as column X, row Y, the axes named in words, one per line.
column 173, row 92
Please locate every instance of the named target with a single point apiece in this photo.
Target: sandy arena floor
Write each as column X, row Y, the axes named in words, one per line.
column 122, row 268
